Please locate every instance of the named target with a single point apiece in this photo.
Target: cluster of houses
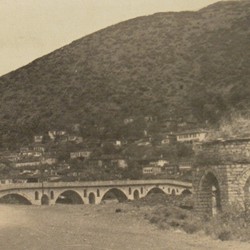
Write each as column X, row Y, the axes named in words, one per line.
column 32, row 158
column 63, row 136
column 189, row 137
column 157, row 168
column 194, row 137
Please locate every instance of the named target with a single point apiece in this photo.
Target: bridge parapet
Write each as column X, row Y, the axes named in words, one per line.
column 115, row 183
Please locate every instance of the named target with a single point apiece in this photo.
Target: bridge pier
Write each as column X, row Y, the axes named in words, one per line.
column 217, row 187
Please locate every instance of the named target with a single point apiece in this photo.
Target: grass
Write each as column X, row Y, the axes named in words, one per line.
column 172, row 217
column 231, row 224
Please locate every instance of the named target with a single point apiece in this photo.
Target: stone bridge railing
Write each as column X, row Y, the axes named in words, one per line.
column 115, row 183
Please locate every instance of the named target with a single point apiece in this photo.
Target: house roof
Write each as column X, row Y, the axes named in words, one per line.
column 191, row 132
column 111, row 157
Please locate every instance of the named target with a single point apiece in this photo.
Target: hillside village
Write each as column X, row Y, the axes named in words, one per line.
column 60, row 155
column 130, row 101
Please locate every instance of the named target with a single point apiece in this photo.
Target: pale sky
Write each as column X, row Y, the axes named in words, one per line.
column 32, row 28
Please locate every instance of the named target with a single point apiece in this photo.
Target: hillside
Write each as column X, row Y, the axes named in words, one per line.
column 191, row 64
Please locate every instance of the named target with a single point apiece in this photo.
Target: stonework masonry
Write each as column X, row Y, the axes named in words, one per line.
column 216, row 186
column 229, row 150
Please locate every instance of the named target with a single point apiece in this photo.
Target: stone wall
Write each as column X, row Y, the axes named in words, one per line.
column 231, row 173
column 203, row 189
column 229, row 151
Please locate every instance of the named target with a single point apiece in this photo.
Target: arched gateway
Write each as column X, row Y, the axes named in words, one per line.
column 209, row 194
column 228, row 183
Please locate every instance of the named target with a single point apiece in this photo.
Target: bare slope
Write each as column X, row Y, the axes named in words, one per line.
column 166, row 63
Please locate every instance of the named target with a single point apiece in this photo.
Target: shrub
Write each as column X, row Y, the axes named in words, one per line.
column 224, row 235
column 174, row 223
column 231, row 224
column 191, row 228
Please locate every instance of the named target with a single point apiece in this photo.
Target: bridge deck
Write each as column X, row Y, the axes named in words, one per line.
column 115, row 183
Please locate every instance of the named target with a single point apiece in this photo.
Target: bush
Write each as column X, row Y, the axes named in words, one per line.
column 167, row 217
column 231, row 224
column 224, row 235
column 191, row 228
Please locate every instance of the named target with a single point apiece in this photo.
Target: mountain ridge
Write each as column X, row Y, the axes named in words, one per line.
column 149, row 65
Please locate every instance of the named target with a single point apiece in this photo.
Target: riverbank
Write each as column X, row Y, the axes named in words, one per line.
column 95, row 227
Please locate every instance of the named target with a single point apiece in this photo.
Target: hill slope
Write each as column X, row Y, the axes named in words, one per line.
column 187, row 63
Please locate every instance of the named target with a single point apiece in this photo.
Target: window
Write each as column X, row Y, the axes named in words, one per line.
column 98, row 193
column 129, row 191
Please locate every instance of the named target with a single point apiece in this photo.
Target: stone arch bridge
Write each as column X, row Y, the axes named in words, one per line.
column 49, row 193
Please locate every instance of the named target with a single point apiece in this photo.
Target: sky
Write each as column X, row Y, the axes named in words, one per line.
column 32, row 28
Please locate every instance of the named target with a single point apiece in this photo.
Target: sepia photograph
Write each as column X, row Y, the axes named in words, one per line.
column 124, row 125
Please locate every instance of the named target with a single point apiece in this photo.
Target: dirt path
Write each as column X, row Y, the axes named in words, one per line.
column 93, row 227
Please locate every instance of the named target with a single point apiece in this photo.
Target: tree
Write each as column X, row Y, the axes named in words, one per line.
column 184, row 150
column 78, row 165
column 133, row 171
column 5, row 168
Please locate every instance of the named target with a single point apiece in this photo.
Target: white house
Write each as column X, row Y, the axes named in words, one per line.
column 170, row 138
column 27, row 164
column 194, row 136
column 152, row 170
column 80, row 154
column 54, row 133
column 39, row 148
column 185, row 166
column 159, row 163
column 38, row 138
column 128, row 120
column 74, row 138
column 49, row 160
column 120, row 163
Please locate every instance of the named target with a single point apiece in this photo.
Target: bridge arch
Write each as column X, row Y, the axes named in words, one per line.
column 15, row 198
column 173, row 192
column 114, row 194
column 136, row 194
column 247, row 194
column 69, row 197
column 186, row 192
column 209, row 193
column 45, row 200
column 243, row 182
column 91, row 198
column 155, row 190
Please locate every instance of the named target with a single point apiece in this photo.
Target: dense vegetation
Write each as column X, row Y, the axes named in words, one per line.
column 188, row 64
